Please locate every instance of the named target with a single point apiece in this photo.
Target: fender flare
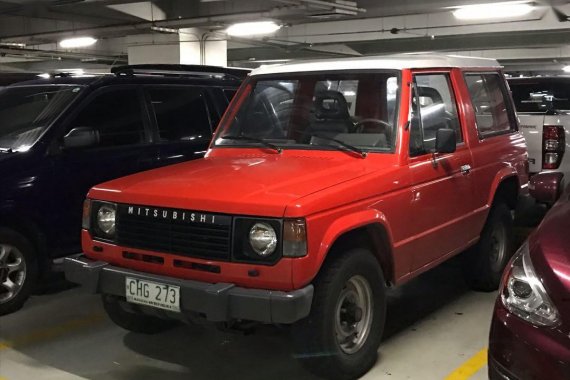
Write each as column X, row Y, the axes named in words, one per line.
column 502, row 175
column 351, row 222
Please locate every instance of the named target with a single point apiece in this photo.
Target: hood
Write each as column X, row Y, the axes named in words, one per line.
column 246, row 184
column 5, row 157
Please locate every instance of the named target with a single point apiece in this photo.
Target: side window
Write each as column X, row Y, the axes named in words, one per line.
column 181, row 113
column 488, row 95
column 116, row 115
column 434, row 107
column 229, row 93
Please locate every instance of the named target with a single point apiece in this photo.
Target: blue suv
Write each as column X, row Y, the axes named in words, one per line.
column 61, row 136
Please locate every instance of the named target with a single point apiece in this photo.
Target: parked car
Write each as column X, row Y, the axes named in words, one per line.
column 8, row 78
column 530, row 331
column 326, row 183
column 543, row 106
column 59, row 137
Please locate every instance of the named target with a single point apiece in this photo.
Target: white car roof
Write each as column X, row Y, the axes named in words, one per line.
column 390, row 62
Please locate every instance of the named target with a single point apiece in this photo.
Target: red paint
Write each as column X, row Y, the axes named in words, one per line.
column 546, row 187
column 530, row 352
column 429, row 213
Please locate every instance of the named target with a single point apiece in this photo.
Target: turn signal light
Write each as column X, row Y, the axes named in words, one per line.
column 294, row 238
column 86, row 221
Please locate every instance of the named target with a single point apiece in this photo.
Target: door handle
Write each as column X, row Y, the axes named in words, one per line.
column 465, row 169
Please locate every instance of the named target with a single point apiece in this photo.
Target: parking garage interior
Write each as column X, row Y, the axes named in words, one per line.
column 436, row 326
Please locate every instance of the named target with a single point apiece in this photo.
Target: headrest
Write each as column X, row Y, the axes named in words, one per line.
column 331, row 105
column 430, row 92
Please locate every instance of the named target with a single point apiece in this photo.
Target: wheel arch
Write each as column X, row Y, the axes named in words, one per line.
column 506, row 189
column 368, row 230
column 30, row 230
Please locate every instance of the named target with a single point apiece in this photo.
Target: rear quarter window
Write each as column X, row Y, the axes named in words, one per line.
column 491, row 104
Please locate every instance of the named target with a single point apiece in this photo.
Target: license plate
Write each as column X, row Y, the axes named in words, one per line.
column 152, row 294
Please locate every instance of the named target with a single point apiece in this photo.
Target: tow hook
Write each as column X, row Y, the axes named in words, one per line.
column 238, row 327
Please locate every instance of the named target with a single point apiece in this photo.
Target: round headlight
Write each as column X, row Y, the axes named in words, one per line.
column 106, row 219
column 263, row 239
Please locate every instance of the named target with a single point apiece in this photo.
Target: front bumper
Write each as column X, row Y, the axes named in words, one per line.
column 218, row 302
column 520, row 351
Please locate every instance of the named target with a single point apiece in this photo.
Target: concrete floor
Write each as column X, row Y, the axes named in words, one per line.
column 434, row 325
column 436, row 329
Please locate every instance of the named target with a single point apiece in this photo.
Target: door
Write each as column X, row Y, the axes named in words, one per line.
column 441, row 191
column 124, row 147
column 184, row 122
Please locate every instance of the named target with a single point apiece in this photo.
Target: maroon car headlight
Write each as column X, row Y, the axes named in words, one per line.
column 524, row 295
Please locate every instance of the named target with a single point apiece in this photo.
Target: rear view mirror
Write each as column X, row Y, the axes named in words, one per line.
column 445, row 141
column 81, row 137
column 546, row 187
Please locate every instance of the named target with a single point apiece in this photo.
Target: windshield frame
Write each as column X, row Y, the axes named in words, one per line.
column 62, row 112
column 249, row 84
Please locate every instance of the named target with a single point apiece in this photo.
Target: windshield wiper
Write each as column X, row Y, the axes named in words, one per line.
column 253, row 139
column 361, row 152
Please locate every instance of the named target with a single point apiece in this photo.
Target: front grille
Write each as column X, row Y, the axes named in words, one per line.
column 182, row 232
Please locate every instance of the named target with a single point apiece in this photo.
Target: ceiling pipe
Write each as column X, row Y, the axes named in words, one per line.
column 334, row 5
column 146, row 26
column 58, row 55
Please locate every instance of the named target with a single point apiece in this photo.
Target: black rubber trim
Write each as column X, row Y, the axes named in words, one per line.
column 219, row 302
column 498, row 372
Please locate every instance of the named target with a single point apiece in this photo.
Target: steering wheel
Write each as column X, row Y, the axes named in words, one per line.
column 358, row 126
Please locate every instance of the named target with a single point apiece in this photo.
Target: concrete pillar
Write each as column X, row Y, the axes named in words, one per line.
column 153, row 48
column 200, row 47
column 190, row 46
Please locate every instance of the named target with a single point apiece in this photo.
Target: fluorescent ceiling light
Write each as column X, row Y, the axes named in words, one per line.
column 77, row 42
column 13, row 44
column 253, row 28
column 566, row 69
column 493, row 10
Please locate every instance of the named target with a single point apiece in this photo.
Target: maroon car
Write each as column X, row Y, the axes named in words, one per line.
column 530, row 331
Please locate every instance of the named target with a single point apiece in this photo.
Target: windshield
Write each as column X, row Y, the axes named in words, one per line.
column 25, row 112
column 333, row 111
column 541, row 96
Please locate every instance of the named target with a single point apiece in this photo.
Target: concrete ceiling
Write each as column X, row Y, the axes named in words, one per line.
column 313, row 29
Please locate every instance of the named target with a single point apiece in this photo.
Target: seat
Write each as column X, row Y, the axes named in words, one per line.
column 331, row 114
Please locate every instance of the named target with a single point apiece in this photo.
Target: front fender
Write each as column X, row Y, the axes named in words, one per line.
column 348, row 223
column 324, row 232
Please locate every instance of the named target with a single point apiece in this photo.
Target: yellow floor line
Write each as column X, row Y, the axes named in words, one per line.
column 470, row 367
column 49, row 333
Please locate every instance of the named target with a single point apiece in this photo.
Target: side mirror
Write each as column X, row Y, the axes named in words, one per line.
column 445, row 140
column 81, row 137
column 546, row 187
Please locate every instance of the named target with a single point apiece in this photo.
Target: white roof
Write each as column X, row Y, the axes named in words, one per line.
column 393, row 62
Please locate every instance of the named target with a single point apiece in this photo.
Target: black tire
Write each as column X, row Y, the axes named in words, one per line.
column 315, row 337
column 483, row 266
column 118, row 312
column 16, row 249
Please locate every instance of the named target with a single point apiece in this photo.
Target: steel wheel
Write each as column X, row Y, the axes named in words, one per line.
column 498, row 247
column 354, row 314
column 12, row 272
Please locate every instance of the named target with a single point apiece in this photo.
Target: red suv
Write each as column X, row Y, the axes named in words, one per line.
column 326, row 183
